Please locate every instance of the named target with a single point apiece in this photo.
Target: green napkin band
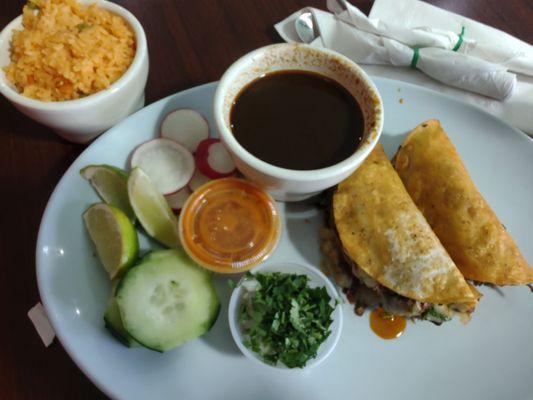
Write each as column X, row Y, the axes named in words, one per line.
column 416, row 50
column 416, row 55
column 459, row 40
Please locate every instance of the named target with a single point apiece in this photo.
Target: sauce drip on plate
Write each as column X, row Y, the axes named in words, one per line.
column 385, row 325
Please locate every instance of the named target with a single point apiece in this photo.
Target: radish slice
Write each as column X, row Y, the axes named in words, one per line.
column 185, row 126
column 198, row 179
column 167, row 163
column 178, row 199
column 213, row 160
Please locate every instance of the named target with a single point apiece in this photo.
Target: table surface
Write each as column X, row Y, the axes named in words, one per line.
column 190, row 43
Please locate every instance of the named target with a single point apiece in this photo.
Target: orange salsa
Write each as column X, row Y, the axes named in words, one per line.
column 229, row 225
column 385, row 325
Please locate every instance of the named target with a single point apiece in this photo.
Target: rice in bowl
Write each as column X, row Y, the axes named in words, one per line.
column 68, row 50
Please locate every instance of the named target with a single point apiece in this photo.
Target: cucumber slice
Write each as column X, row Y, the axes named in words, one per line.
column 113, row 322
column 166, row 300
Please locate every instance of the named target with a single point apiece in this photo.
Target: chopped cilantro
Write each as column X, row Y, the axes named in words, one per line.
column 283, row 319
column 83, row 26
column 31, row 5
column 433, row 315
column 231, row 284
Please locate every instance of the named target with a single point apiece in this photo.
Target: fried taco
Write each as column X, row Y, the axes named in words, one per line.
column 382, row 251
column 439, row 184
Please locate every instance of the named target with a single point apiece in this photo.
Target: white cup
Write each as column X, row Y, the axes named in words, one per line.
column 316, row 279
column 83, row 119
column 286, row 184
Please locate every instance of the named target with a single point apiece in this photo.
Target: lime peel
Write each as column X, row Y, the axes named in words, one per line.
column 114, row 237
column 110, row 183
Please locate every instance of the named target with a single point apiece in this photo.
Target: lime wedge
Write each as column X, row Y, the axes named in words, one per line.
column 114, row 237
column 111, row 185
column 152, row 209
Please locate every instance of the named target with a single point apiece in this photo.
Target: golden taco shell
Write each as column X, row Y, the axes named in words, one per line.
column 382, row 231
column 440, row 186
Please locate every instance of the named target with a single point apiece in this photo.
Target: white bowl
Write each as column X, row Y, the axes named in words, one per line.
column 286, row 184
column 83, row 119
column 316, row 278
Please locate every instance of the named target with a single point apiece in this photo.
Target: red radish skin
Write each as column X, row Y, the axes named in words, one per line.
column 213, row 160
column 169, row 165
column 186, row 126
column 178, row 199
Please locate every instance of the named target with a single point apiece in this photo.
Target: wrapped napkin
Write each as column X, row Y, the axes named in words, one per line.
column 362, row 46
column 516, row 60
column 423, row 24
column 479, row 40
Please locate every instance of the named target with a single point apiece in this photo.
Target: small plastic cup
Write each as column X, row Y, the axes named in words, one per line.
column 229, row 225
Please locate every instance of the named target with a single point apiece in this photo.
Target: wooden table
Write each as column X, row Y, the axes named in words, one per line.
column 190, row 43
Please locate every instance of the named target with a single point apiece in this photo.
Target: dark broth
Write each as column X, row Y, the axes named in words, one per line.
column 297, row 120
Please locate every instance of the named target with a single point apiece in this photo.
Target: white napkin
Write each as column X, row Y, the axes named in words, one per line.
column 42, row 325
column 417, row 14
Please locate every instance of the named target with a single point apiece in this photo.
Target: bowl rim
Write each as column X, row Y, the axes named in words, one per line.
column 336, row 324
column 344, row 167
column 130, row 73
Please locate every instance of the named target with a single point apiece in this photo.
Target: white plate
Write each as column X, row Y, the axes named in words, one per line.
column 490, row 358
